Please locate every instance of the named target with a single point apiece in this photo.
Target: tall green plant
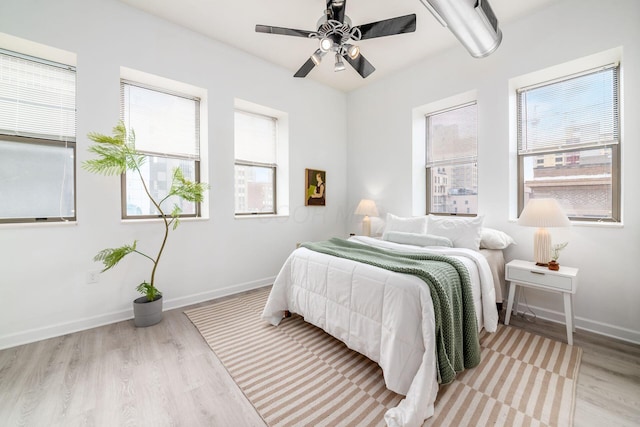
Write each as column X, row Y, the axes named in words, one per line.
column 116, row 154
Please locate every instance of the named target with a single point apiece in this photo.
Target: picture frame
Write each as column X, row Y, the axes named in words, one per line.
column 315, row 187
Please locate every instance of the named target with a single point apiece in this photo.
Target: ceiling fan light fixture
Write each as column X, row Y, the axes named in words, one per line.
column 339, row 64
column 352, row 50
column 317, row 57
column 326, row 44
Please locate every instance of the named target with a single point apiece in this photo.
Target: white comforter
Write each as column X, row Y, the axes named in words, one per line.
column 383, row 315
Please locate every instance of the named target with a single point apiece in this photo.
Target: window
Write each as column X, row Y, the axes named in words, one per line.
column 568, row 144
column 37, row 139
column 255, row 163
column 452, row 168
column 167, row 131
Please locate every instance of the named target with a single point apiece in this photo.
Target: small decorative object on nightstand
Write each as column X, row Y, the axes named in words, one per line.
column 555, row 254
column 528, row 274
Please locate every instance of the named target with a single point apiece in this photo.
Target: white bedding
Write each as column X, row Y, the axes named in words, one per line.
column 383, row 315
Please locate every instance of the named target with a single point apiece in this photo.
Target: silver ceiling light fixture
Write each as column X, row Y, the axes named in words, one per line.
column 333, row 36
column 339, row 64
column 472, row 22
column 326, row 44
column 352, row 50
column 317, row 56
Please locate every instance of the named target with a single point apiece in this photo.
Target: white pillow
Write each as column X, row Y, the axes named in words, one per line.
column 416, row 224
column 418, row 239
column 495, row 239
column 464, row 232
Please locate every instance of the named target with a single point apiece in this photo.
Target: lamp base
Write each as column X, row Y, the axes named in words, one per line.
column 542, row 247
column 366, row 226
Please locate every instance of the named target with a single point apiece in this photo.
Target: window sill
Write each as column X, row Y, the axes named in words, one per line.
column 152, row 220
column 39, row 224
column 597, row 224
column 588, row 224
column 242, row 217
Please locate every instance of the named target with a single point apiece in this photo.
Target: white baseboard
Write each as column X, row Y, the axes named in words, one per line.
column 32, row 335
column 38, row 334
column 585, row 324
column 216, row 293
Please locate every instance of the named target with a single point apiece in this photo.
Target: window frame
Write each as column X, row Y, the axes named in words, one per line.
column 41, row 140
column 428, row 180
column 148, row 154
column 250, row 163
column 274, row 171
column 616, row 160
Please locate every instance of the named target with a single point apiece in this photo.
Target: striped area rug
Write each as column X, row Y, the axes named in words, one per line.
column 297, row 375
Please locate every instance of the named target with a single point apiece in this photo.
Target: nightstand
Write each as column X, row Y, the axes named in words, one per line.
column 528, row 274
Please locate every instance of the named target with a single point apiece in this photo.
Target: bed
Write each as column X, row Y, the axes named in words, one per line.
column 386, row 316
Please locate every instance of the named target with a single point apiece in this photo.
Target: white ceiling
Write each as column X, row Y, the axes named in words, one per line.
column 233, row 22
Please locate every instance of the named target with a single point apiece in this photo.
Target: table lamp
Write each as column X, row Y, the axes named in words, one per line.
column 543, row 213
column 367, row 208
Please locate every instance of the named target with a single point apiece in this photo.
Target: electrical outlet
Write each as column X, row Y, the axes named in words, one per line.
column 93, row 277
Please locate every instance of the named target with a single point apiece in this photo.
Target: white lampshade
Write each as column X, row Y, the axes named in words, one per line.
column 367, row 208
column 543, row 213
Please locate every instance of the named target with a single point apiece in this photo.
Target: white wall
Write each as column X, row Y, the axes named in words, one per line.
column 380, row 149
column 43, row 268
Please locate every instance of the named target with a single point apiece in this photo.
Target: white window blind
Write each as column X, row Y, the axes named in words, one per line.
column 580, row 111
column 37, row 139
column 255, row 138
column 165, row 124
column 37, row 98
column 452, row 136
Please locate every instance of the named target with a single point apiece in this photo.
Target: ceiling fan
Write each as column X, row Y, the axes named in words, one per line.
column 337, row 35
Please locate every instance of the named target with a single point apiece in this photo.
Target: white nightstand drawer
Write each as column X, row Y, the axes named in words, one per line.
column 539, row 278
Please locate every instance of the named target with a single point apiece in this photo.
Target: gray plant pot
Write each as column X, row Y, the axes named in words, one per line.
column 147, row 313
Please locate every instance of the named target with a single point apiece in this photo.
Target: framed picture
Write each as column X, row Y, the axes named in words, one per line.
column 315, row 185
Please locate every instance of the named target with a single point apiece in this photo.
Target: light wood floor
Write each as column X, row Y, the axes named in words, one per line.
column 166, row 375
column 608, row 392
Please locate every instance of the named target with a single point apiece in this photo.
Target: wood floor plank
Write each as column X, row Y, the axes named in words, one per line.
column 608, row 391
column 167, row 375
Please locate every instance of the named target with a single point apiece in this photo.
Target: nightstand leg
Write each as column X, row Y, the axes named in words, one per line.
column 568, row 313
column 573, row 315
column 512, row 291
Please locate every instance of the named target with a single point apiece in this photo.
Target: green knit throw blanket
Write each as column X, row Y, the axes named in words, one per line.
column 457, row 341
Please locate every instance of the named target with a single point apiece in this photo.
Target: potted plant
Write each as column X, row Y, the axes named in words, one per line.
column 555, row 254
column 116, row 155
